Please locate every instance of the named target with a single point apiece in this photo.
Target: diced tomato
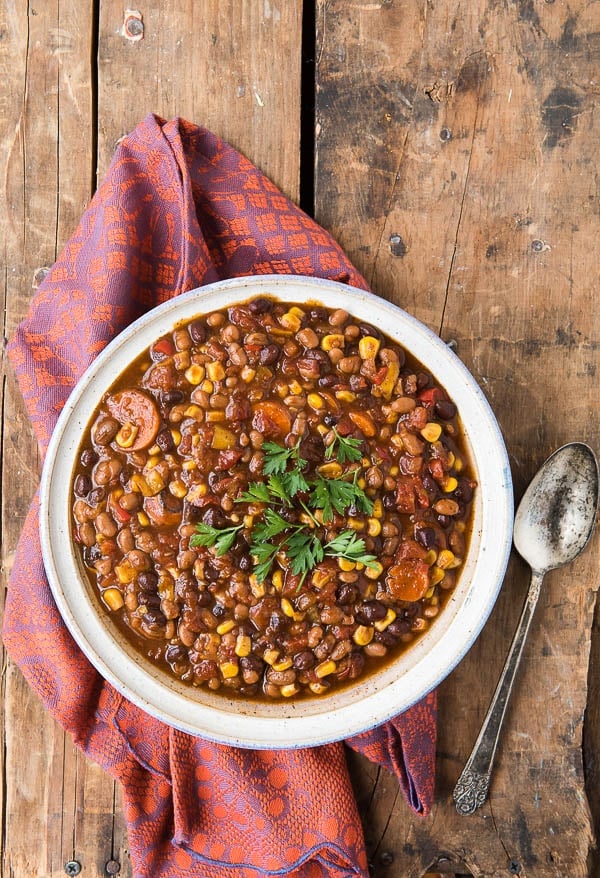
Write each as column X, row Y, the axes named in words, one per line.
column 408, row 580
column 164, row 347
column 409, row 550
column 431, row 395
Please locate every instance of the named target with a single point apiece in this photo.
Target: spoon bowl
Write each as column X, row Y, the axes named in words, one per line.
column 553, row 525
column 555, row 518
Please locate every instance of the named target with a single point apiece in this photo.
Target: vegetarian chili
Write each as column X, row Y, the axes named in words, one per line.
column 273, row 500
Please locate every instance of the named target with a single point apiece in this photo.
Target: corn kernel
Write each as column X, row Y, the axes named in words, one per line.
column 315, row 401
column 373, row 527
column 189, row 465
column 290, row 321
column 431, row 557
column 113, row 598
column 458, row 465
column 325, row 668
column 207, row 386
column 362, row 484
column 451, row 459
column 374, row 571
column 295, row 388
column 126, row 435
column 368, row 347
column 306, row 519
column 155, row 482
column 226, row 626
column 394, row 471
column 382, row 624
column 320, row 578
column 216, row 416
column 125, row 572
column 178, row 488
column 153, row 460
column 431, row 432
column 229, row 669
column 297, row 311
column 335, row 340
column 456, row 562
column 248, row 374
column 222, row 438
column 346, row 565
column 331, row 470
column 289, row 689
column 243, row 645
column 445, row 559
column 248, row 521
column 154, row 450
column 429, row 593
column 270, row 656
column 282, row 665
column 450, row 484
column 363, row 635
column 258, row 588
column 287, row 608
column 176, row 435
column 197, row 491
column 322, row 430
column 143, row 519
column 215, row 371
column 377, row 508
column 345, row 395
column 355, row 523
column 318, row 688
column 277, row 580
column 195, row 374
column 437, row 574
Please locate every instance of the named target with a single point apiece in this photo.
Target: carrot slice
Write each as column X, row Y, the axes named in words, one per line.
column 137, row 408
column 408, row 580
column 271, row 418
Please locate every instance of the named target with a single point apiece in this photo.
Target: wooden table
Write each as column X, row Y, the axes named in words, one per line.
column 451, row 149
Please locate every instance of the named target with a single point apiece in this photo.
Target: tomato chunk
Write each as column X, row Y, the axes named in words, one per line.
column 408, row 580
column 271, row 418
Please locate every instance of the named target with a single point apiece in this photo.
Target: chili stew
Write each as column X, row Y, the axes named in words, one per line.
column 273, row 500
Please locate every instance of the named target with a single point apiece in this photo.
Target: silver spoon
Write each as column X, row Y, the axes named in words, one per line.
column 553, row 524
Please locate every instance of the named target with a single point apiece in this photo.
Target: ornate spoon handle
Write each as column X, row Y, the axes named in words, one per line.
column 472, row 787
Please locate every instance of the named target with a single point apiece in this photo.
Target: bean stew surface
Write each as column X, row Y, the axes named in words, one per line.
column 273, row 500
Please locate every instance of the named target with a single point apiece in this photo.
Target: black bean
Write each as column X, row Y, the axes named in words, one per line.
column 88, row 457
column 211, row 573
column 347, row 593
column 204, row 599
column 445, row 409
column 464, row 491
column 219, row 611
column 330, row 420
column 444, row 521
column 269, row 354
column 369, row 612
column 260, row 306
column 304, row 660
column 96, row 496
column 425, row 536
column 389, row 501
column 245, row 563
column 82, row 485
column 397, row 628
column 92, row 554
column 154, row 617
column 151, row 600
column 164, row 440
column 197, row 331
column 367, row 329
column 251, row 663
column 148, row 580
column 423, row 380
column 172, row 397
column 327, row 380
column 175, row 653
column 213, row 517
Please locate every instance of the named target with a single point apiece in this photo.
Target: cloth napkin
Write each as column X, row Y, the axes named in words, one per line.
column 180, row 208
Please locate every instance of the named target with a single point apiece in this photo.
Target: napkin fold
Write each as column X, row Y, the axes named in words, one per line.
column 179, row 208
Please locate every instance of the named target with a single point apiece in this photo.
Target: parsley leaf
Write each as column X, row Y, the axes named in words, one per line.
column 304, row 552
column 347, row 545
column 338, row 495
column 257, row 493
column 272, row 525
column 264, row 555
column 277, row 457
column 345, row 448
column 222, row 539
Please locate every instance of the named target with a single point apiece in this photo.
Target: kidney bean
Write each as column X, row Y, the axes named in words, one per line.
column 82, row 485
column 105, row 524
column 105, row 429
column 88, row 457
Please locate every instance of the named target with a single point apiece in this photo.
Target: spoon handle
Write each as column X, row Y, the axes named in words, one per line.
column 472, row 787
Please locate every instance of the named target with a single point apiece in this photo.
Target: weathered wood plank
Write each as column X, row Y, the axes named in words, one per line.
column 233, row 67
column 455, row 154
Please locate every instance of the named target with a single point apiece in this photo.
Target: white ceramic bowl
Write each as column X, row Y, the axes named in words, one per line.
column 369, row 702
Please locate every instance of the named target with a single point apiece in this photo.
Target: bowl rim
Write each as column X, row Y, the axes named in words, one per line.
column 307, row 722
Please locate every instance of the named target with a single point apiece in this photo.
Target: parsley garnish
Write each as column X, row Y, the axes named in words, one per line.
column 289, row 490
column 346, row 449
column 222, row 539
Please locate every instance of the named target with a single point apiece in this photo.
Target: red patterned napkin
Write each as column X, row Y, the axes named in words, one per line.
column 178, row 209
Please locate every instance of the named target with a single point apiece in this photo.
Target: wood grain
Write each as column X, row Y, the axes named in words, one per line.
column 234, row 67
column 455, row 160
